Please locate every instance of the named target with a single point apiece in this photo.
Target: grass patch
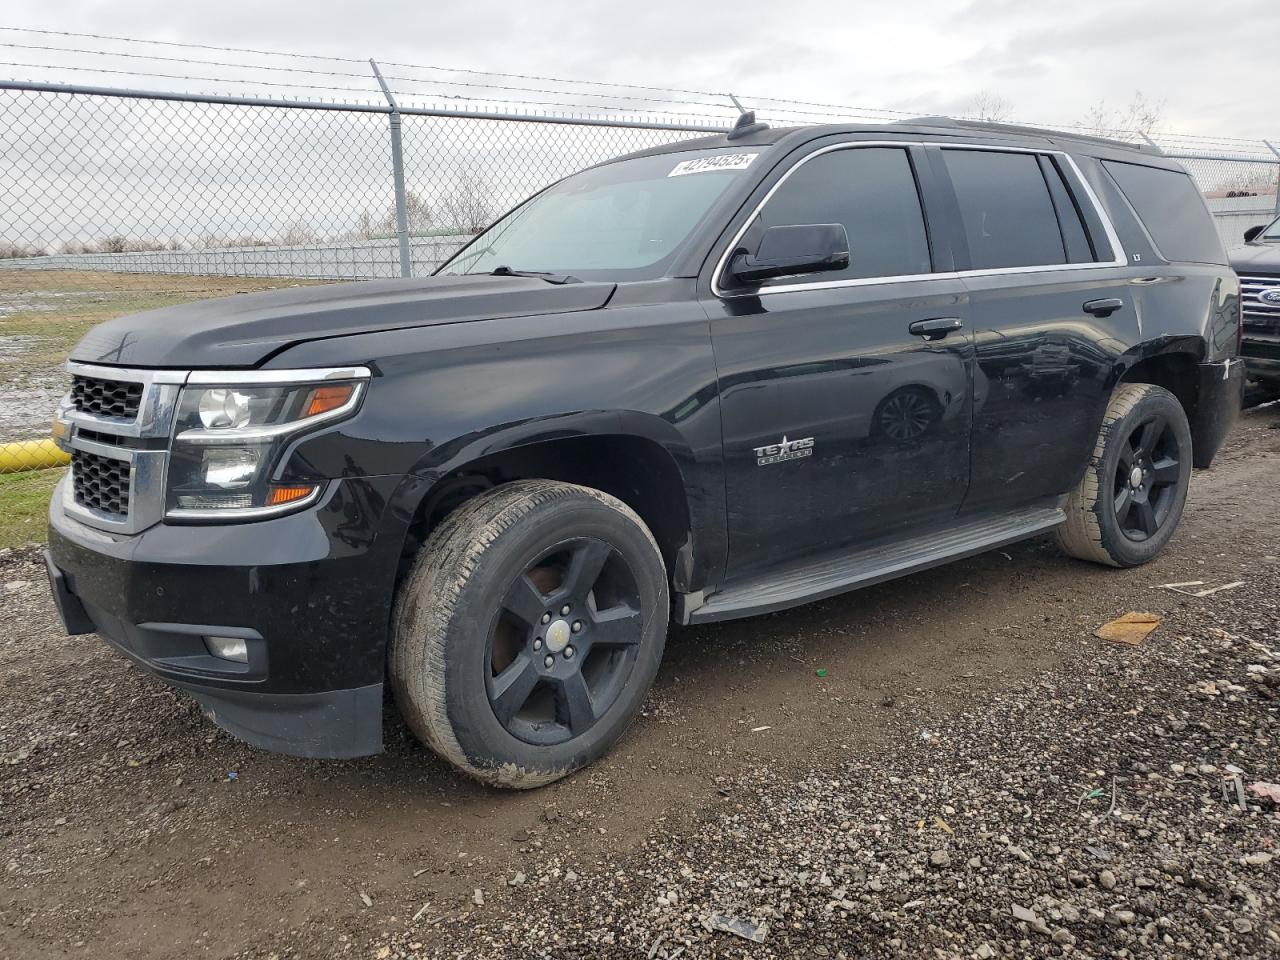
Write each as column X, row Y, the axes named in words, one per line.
column 48, row 311
column 24, row 505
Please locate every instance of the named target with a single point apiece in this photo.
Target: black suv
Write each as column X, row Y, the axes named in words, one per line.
column 1258, row 264
column 714, row 379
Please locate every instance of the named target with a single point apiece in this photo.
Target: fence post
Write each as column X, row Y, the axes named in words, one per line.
column 1272, row 147
column 397, row 174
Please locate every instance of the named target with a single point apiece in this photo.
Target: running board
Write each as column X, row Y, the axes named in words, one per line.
column 832, row 574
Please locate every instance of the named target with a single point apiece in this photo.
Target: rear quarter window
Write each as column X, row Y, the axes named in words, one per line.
column 1171, row 207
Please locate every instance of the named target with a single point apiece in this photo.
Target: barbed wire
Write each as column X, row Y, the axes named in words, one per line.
column 781, row 107
column 844, row 109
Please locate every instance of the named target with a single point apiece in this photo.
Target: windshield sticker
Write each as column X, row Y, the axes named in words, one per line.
column 725, row 161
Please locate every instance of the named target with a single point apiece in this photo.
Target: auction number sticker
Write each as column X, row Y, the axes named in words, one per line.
column 723, row 161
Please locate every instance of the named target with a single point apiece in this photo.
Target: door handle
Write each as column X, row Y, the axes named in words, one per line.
column 936, row 328
column 1105, row 307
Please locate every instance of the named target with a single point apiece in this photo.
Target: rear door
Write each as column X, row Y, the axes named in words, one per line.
column 840, row 424
column 1051, row 309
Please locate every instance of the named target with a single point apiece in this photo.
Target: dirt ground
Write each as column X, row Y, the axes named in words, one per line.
column 972, row 775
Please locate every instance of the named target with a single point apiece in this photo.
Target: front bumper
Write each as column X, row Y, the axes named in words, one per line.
column 1261, row 354
column 1218, row 402
column 309, row 592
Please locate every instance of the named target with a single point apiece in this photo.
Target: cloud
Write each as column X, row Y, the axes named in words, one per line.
column 1052, row 62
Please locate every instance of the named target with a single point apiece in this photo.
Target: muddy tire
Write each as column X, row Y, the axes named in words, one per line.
column 1130, row 499
column 529, row 630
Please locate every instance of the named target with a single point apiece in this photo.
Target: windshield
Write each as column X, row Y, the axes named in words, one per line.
column 620, row 221
column 1272, row 232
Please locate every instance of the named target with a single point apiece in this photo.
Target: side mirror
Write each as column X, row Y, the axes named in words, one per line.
column 1253, row 233
column 794, row 250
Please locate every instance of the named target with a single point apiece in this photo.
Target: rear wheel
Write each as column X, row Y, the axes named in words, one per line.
column 529, row 630
column 1130, row 500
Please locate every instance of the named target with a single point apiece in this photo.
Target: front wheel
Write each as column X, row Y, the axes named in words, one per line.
column 529, row 631
column 1130, row 499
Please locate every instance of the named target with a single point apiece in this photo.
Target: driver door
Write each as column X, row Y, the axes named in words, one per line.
column 841, row 425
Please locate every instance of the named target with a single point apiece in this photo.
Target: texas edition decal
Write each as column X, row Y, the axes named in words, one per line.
column 784, row 450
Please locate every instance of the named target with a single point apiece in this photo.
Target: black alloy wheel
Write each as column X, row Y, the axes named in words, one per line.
column 564, row 643
column 1148, row 471
column 529, row 630
column 1128, row 503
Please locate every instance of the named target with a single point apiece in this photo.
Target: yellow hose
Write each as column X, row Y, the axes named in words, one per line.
column 31, row 455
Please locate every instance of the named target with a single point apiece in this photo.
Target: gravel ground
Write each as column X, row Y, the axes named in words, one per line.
column 973, row 774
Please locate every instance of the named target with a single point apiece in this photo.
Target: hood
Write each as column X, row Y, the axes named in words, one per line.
column 1256, row 256
column 244, row 330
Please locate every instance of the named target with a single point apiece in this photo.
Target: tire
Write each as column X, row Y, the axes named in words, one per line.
column 1109, row 519
column 479, row 617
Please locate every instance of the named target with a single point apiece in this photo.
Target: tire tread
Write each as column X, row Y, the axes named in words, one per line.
column 428, row 602
column 1082, row 536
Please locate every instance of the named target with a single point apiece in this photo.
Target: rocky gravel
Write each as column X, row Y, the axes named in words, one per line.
column 1091, row 811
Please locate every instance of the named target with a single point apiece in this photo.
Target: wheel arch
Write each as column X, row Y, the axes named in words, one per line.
column 645, row 465
column 1176, row 368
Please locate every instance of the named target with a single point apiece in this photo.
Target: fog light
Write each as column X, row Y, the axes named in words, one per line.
column 228, row 648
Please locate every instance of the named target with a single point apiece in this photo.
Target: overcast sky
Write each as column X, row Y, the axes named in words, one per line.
column 1211, row 65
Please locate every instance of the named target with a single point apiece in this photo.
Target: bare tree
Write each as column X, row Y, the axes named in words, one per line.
column 986, row 105
column 470, row 207
column 418, row 213
column 1139, row 119
column 296, row 232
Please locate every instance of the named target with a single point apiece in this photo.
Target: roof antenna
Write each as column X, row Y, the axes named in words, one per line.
column 746, row 124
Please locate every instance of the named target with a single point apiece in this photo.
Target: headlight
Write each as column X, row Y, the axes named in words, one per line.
column 228, row 438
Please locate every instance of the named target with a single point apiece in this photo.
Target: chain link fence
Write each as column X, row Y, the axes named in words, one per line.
column 131, row 183
column 117, row 200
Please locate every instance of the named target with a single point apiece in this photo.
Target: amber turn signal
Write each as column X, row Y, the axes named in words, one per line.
column 324, row 399
column 281, row 495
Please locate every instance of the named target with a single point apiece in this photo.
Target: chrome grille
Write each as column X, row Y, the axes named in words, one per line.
column 114, row 420
column 1259, row 315
column 118, row 399
column 100, row 483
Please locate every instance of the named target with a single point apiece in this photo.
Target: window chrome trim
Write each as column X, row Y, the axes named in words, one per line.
column 1117, row 250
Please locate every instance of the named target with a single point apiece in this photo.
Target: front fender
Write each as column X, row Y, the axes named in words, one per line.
column 445, row 397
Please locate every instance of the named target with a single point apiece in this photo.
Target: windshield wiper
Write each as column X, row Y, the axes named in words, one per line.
column 546, row 275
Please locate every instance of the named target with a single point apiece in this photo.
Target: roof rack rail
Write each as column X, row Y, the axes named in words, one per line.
column 1145, row 147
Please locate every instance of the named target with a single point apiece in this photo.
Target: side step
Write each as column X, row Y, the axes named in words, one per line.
column 831, row 574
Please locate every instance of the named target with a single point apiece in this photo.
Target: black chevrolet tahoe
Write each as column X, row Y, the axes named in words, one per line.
column 714, row 379
column 1258, row 264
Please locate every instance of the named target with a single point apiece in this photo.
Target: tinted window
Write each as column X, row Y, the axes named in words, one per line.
column 872, row 191
column 1173, row 211
column 1074, row 235
column 1005, row 208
